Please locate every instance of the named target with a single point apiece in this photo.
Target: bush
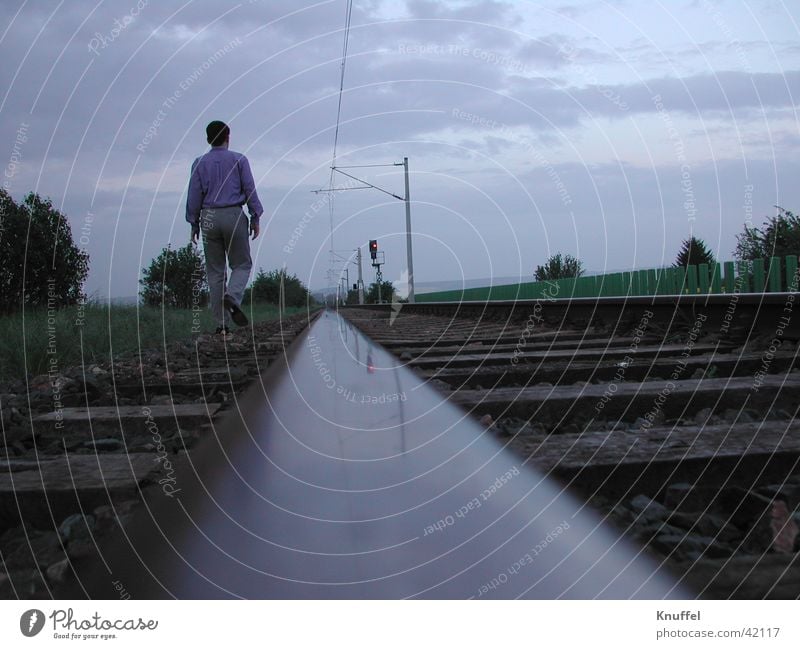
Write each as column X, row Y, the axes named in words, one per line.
column 42, row 266
column 266, row 288
column 352, row 296
column 176, row 278
column 558, row 267
column 387, row 293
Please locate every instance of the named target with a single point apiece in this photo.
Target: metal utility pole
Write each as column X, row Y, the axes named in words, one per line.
column 379, row 281
column 346, row 282
column 409, row 256
column 407, row 199
column 360, row 279
column 282, row 297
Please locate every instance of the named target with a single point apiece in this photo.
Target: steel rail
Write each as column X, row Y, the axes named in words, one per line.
column 342, row 475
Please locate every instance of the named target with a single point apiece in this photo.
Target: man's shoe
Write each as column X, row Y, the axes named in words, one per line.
column 237, row 315
column 224, row 333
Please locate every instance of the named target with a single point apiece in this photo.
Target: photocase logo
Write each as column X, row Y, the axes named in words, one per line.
column 31, row 622
column 401, row 288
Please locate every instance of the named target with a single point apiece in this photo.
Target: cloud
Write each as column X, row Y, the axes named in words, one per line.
column 559, row 51
column 730, row 92
column 489, row 12
column 469, row 89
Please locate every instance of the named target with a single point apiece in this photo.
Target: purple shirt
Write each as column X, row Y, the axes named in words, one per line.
column 221, row 178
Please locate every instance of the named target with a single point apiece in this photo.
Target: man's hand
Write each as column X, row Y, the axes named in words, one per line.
column 254, row 229
column 195, row 234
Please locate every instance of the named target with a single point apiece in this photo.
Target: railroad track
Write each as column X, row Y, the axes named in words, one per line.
column 341, row 474
column 595, row 448
column 675, row 419
column 78, row 456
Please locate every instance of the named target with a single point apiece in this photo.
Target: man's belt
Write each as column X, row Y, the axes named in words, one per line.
column 223, row 207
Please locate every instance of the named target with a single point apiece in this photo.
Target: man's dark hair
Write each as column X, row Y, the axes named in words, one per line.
column 217, row 132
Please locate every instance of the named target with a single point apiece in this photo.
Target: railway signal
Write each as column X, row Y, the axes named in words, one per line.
column 378, row 259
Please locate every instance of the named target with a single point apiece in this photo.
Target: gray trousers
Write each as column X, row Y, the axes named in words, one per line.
column 225, row 233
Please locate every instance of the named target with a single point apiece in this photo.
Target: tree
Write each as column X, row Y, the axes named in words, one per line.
column 558, row 267
column 778, row 237
column 694, row 252
column 387, row 293
column 42, row 266
column 266, row 288
column 176, row 278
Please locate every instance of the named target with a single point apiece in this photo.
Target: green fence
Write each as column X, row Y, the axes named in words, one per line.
column 773, row 275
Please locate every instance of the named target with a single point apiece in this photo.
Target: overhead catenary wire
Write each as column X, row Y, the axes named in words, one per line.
column 343, row 65
column 388, row 164
column 370, row 185
column 345, row 42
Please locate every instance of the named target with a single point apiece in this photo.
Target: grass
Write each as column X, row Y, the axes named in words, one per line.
column 31, row 341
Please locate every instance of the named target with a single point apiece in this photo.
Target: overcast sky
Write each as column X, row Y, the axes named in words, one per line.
column 606, row 130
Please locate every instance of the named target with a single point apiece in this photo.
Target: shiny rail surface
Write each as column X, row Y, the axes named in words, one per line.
column 673, row 416
column 342, row 475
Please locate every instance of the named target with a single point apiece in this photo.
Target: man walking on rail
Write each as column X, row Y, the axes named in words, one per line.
column 220, row 184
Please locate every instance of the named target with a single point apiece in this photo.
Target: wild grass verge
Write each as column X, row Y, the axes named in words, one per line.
column 32, row 341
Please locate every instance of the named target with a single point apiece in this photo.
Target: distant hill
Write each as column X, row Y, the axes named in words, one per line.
column 445, row 285
column 455, row 285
